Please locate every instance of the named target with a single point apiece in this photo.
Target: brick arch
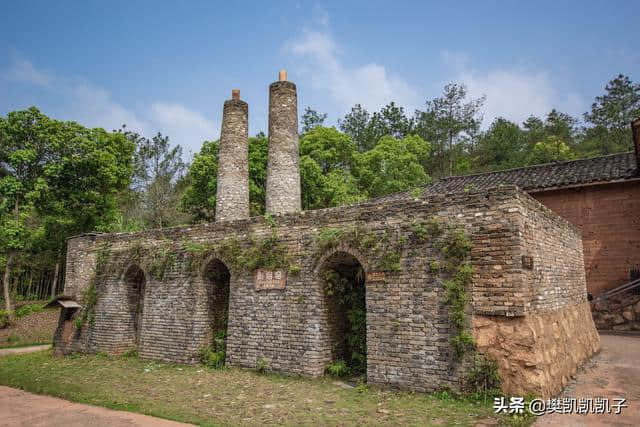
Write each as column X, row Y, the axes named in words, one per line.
column 209, row 259
column 135, row 284
column 341, row 248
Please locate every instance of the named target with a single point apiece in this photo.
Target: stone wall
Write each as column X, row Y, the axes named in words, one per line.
column 408, row 328
column 619, row 313
column 540, row 352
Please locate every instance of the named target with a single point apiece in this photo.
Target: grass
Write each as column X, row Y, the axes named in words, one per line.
column 231, row 396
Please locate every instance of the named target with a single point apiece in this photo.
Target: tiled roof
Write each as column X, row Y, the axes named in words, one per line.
column 614, row 167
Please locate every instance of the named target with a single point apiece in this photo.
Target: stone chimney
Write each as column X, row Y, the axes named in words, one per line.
column 232, row 197
column 635, row 128
column 283, row 172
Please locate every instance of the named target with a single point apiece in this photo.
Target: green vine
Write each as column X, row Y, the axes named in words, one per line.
column 455, row 247
column 88, row 312
column 247, row 255
column 383, row 249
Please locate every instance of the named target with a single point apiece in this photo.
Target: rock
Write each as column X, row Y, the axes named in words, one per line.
column 636, row 307
column 628, row 314
column 624, row 327
column 617, row 319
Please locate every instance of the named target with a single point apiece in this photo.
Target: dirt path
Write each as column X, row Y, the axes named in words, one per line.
column 19, row 408
column 614, row 373
column 24, row 350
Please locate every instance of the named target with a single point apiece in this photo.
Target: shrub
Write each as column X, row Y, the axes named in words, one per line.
column 28, row 309
column 212, row 358
column 483, row 376
column 4, row 319
column 338, row 369
column 262, row 365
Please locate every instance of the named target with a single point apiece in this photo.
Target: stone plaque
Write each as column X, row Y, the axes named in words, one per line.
column 375, row 276
column 269, row 279
column 527, row 262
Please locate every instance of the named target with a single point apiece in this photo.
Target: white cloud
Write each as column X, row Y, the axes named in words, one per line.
column 184, row 126
column 23, row 71
column 370, row 84
column 513, row 93
column 94, row 106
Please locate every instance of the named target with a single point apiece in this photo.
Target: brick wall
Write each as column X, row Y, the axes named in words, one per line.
column 407, row 322
column 609, row 217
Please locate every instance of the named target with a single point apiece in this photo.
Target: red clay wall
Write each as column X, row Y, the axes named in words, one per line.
column 609, row 217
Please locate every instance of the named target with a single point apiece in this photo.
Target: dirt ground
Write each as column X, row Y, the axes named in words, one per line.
column 613, row 373
column 19, row 408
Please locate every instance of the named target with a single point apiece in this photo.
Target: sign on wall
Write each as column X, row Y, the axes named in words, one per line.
column 375, row 276
column 269, row 279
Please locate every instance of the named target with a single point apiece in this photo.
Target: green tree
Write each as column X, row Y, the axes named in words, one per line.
column 610, row 117
column 393, row 165
column 448, row 121
column 59, row 179
column 326, row 160
column 501, row 147
column 551, row 149
column 199, row 198
column 311, row 118
column 366, row 130
column 157, row 180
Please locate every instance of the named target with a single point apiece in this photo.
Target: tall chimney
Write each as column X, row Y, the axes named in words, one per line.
column 283, row 172
column 635, row 129
column 232, row 197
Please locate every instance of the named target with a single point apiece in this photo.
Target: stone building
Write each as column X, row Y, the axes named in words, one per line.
column 601, row 197
column 436, row 267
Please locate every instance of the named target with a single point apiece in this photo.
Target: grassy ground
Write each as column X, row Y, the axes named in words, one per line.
column 231, row 396
column 33, row 328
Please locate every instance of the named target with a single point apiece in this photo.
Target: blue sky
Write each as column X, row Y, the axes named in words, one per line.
column 169, row 66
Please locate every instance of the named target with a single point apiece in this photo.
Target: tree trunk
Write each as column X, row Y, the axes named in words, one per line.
column 54, row 282
column 5, row 286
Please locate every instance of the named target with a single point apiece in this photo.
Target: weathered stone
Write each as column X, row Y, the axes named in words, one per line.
column 628, row 314
column 283, row 193
column 232, row 195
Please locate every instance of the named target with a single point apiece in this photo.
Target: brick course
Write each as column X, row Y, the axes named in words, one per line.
column 408, row 330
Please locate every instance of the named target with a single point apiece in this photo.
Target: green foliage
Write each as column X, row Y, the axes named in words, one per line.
column 383, row 249
column 243, row 255
column 338, row 369
column 483, row 376
column 262, row 365
column 347, row 290
column 455, row 246
column 312, row 119
column 214, row 357
column 4, row 319
column 551, row 149
column 87, row 313
column 326, row 163
column 132, row 352
column 161, row 259
column 28, row 309
column 393, row 165
column 199, row 198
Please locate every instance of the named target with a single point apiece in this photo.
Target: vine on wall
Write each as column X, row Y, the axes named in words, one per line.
column 382, row 249
column 454, row 246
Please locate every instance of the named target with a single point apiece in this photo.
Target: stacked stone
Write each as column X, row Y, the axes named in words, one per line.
column 232, row 199
column 283, row 173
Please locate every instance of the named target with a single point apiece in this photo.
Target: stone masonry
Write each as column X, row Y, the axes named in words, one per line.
column 232, row 195
column 283, row 173
column 165, row 292
column 407, row 322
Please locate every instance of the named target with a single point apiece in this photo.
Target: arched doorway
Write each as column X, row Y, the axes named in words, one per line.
column 343, row 279
column 217, row 278
column 135, row 282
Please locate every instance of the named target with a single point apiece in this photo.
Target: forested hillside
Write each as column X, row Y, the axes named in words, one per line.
column 58, row 179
